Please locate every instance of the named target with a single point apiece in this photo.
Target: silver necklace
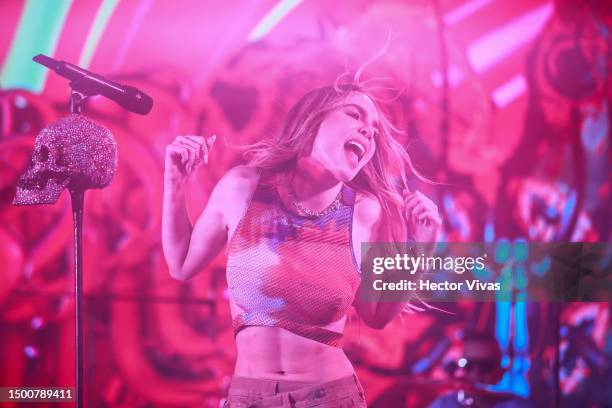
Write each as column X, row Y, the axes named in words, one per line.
column 311, row 213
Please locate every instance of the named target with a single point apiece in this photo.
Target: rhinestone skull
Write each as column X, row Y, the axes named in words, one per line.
column 73, row 152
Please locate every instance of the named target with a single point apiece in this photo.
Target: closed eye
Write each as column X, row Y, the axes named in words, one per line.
column 353, row 114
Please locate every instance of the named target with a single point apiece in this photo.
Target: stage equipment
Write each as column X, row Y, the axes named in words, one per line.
column 91, row 84
column 78, row 154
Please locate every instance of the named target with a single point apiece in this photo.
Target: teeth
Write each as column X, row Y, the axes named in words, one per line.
column 359, row 146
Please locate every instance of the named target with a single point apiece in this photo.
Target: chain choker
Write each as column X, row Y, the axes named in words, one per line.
column 311, row 213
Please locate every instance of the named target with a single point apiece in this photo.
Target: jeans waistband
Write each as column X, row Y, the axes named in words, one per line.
column 337, row 388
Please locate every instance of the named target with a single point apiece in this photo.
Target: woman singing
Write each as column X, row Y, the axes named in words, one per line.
column 293, row 220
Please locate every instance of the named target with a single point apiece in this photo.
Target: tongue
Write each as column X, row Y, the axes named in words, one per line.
column 352, row 156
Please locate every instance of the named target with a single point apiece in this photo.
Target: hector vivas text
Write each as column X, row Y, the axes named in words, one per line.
column 413, row 264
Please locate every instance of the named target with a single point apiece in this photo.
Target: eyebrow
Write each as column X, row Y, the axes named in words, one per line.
column 363, row 112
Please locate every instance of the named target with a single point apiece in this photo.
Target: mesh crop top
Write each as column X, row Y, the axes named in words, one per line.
column 289, row 271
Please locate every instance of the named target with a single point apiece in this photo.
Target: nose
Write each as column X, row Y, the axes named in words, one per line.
column 366, row 131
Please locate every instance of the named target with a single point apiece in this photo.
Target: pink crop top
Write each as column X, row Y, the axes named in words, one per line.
column 289, row 271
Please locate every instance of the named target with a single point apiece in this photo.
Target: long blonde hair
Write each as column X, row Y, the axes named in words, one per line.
column 381, row 178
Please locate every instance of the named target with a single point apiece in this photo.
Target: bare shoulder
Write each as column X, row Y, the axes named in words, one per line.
column 241, row 174
column 233, row 192
column 238, row 182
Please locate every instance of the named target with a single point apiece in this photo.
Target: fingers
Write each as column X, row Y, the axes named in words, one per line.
column 208, row 145
column 428, row 217
column 177, row 151
column 412, row 199
column 192, row 157
column 193, row 150
column 203, row 145
column 420, row 209
column 193, row 146
column 422, row 214
column 184, row 148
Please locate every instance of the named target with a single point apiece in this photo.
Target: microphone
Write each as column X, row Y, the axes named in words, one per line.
column 128, row 97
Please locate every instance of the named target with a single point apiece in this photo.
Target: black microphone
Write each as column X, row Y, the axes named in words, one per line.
column 128, row 97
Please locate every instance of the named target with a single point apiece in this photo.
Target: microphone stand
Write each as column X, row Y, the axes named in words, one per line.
column 74, row 133
column 77, row 198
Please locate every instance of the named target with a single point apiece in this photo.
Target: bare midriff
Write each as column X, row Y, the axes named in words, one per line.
column 276, row 353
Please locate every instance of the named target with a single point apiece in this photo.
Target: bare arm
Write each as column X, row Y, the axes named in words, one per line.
column 176, row 227
column 377, row 313
column 188, row 249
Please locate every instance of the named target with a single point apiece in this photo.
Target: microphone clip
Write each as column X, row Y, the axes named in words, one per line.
column 79, row 92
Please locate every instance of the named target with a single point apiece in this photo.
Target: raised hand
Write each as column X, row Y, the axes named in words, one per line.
column 185, row 155
column 424, row 222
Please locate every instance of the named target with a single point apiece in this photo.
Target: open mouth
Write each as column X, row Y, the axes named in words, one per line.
column 354, row 150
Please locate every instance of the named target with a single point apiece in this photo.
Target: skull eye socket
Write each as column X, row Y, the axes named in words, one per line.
column 43, row 154
column 60, row 160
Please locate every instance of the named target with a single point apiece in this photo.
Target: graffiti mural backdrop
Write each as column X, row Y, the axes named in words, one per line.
column 507, row 105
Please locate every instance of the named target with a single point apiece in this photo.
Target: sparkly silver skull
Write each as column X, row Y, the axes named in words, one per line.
column 73, row 152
